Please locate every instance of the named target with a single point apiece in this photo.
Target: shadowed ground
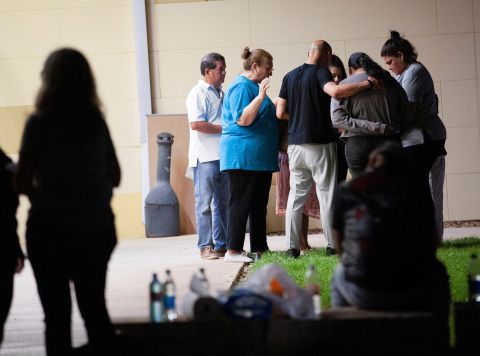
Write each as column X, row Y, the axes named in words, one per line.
column 130, row 269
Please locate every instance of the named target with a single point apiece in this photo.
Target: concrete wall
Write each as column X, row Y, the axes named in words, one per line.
column 445, row 32
column 103, row 31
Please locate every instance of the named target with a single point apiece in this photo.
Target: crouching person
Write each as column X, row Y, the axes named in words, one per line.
column 386, row 240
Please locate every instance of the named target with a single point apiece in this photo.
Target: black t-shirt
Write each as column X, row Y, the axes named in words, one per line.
column 308, row 105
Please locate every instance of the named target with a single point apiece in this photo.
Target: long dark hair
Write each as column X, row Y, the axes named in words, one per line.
column 68, row 85
column 397, row 44
column 373, row 69
column 337, row 62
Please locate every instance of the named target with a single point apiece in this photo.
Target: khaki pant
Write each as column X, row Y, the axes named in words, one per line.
column 310, row 164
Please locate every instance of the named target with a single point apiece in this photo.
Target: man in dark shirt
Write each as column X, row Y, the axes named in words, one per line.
column 304, row 100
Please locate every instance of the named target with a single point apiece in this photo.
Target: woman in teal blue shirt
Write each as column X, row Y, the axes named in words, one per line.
column 248, row 153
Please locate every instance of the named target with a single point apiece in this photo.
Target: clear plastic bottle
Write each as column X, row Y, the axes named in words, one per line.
column 199, row 283
column 474, row 279
column 157, row 311
column 312, row 284
column 169, row 297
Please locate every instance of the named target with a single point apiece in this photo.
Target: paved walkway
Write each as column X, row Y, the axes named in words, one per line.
column 130, row 270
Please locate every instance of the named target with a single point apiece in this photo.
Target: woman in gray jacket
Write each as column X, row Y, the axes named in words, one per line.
column 371, row 117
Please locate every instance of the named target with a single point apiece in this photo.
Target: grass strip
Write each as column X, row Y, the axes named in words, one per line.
column 455, row 254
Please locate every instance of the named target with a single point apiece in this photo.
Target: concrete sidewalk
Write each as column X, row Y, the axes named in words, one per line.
column 130, row 271
column 129, row 275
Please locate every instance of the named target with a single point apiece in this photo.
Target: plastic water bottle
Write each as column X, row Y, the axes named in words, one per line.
column 157, row 311
column 312, row 284
column 474, row 279
column 199, row 283
column 169, row 297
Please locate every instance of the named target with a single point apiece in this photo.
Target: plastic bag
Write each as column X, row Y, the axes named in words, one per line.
column 199, row 289
column 274, row 283
column 243, row 303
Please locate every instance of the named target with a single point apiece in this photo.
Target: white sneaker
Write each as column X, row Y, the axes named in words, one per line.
column 236, row 257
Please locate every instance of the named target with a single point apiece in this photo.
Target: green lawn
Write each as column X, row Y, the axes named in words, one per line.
column 454, row 254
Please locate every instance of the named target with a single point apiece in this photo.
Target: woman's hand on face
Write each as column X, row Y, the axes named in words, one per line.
column 264, row 86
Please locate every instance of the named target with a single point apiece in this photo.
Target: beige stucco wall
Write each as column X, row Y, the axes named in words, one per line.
column 445, row 32
column 103, row 31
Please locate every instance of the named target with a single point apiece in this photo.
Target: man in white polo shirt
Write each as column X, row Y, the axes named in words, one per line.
column 204, row 105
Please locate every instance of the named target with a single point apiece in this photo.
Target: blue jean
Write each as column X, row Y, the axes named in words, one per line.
column 210, row 184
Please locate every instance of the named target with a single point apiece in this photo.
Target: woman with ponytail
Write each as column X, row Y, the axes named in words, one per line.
column 425, row 139
column 248, row 153
column 371, row 117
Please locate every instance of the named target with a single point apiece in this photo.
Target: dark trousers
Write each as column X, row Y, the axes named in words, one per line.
column 61, row 255
column 342, row 166
column 357, row 150
column 421, row 162
column 248, row 197
column 6, row 293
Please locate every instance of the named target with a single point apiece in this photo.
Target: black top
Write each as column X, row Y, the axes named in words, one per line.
column 308, row 105
column 74, row 168
column 10, row 248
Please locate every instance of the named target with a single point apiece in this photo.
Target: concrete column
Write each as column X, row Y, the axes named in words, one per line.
column 143, row 85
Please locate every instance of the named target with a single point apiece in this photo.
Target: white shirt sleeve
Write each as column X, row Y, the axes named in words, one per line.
column 197, row 105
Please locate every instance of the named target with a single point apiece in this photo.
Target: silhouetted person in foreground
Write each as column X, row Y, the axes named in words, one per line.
column 11, row 255
column 68, row 168
column 376, row 221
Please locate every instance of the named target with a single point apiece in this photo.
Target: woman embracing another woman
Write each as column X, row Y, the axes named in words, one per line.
column 424, row 141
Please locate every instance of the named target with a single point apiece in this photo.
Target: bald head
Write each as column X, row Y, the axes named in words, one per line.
column 320, row 53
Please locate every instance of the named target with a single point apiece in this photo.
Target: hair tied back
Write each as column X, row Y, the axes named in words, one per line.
column 395, row 35
column 246, row 53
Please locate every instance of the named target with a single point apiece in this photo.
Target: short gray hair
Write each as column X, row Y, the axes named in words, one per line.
column 210, row 60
